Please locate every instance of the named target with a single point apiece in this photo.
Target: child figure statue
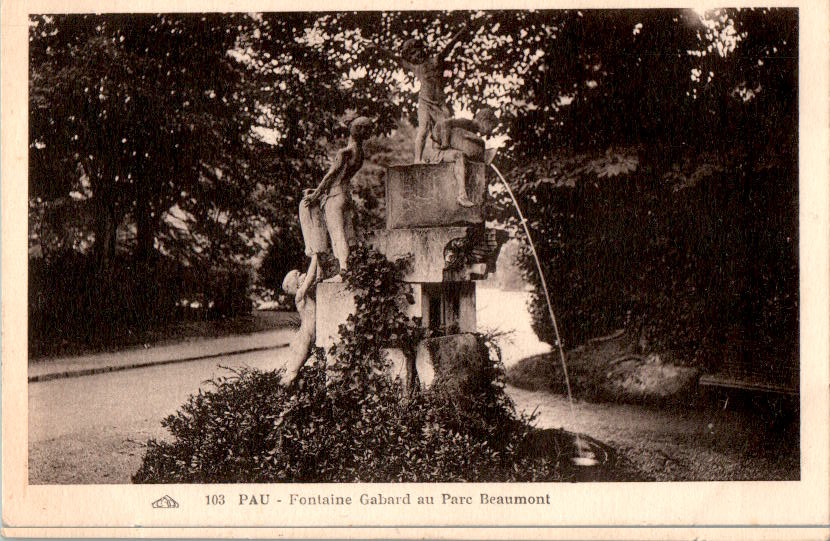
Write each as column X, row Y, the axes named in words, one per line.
column 302, row 287
column 429, row 70
column 335, row 193
column 453, row 141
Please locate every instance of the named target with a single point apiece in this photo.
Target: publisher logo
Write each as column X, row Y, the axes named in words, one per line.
column 165, row 502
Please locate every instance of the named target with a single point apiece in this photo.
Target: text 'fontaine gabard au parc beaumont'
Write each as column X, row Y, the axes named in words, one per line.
column 407, row 499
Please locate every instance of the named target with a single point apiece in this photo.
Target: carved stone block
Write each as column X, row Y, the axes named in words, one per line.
column 424, row 195
column 424, row 245
column 442, row 254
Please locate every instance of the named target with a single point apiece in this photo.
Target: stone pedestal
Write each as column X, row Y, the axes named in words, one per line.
column 433, row 250
column 424, row 195
column 338, row 303
column 450, row 305
column 449, row 249
column 335, row 303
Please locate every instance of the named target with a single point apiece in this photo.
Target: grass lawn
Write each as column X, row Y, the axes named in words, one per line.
column 256, row 321
column 607, row 370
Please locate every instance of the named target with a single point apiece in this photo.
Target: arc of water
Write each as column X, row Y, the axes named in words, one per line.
column 523, row 221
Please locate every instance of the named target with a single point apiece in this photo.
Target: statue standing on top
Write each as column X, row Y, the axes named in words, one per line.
column 429, row 70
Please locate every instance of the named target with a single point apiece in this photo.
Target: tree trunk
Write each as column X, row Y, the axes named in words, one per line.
column 146, row 226
column 105, row 228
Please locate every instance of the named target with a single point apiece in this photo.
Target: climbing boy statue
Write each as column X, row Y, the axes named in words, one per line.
column 335, row 214
column 302, row 286
column 335, row 191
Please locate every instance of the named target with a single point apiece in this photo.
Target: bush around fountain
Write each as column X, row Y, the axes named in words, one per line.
column 350, row 421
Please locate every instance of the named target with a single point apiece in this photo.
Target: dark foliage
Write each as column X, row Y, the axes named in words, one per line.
column 350, row 422
column 708, row 270
column 71, row 302
column 283, row 255
column 668, row 209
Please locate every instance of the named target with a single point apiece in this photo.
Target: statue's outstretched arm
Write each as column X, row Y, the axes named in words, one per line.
column 390, row 55
column 445, row 52
column 310, row 277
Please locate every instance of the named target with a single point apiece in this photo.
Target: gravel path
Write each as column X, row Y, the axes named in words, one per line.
column 93, row 429
column 676, row 445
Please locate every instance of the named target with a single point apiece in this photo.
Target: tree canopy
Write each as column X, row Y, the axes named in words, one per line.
column 216, row 115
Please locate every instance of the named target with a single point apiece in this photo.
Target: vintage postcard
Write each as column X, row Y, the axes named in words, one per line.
column 415, row 270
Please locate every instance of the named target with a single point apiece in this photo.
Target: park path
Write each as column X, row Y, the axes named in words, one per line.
column 676, row 443
column 136, row 357
column 93, row 429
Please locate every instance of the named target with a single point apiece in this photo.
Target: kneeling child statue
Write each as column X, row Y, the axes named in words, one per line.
column 454, row 140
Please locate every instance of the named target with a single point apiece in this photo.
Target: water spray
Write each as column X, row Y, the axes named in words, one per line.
column 584, row 458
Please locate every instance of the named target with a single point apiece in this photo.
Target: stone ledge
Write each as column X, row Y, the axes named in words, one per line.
column 425, row 246
column 428, row 248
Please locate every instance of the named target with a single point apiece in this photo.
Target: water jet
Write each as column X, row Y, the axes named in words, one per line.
column 584, row 458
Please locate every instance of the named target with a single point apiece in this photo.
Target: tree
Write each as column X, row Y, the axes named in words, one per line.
column 671, row 211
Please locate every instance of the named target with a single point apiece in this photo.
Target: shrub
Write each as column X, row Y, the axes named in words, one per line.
column 227, row 291
column 349, row 421
column 70, row 300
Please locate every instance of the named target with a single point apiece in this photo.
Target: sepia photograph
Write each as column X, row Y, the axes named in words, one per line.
column 395, row 249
